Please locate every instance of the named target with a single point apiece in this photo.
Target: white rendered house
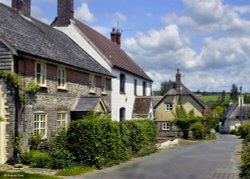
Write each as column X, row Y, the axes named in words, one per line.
column 129, row 81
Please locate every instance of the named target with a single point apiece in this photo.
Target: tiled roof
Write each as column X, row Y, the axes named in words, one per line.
column 112, row 51
column 234, row 110
column 86, row 104
column 142, row 105
column 30, row 36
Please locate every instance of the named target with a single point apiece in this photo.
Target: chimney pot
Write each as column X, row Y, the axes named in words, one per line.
column 116, row 36
column 65, row 12
column 178, row 81
column 22, row 6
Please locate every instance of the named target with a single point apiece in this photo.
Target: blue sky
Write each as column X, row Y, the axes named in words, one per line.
column 209, row 40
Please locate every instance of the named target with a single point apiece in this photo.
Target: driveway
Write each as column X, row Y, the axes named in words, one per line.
column 217, row 159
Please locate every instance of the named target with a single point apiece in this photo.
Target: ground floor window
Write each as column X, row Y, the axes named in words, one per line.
column 165, row 126
column 61, row 121
column 40, row 124
column 122, row 114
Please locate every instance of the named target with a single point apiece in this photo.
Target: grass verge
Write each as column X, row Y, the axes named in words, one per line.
column 22, row 174
column 75, row 170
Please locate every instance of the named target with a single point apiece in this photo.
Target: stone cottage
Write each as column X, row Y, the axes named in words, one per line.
column 71, row 82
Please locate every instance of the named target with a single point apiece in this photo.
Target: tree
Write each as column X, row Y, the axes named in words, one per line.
column 247, row 98
column 165, row 86
column 234, row 92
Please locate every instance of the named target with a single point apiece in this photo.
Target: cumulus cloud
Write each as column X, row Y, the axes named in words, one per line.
column 83, row 13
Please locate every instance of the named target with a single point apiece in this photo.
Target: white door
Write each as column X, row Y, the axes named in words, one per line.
column 2, row 125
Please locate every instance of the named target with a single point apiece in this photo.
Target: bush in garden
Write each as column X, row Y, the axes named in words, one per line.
column 61, row 156
column 37, row 159
column 96, row 140
column 243, row 130
column 233, row 132
column 141, row 133
column 198, row 130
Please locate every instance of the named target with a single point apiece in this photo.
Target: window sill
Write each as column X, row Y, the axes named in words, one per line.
column 92, row 92
column 104, row 93
column 62, row 89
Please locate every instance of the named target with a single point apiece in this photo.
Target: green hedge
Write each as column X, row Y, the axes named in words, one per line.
column 243, row 130
column 198, row 130
column 97, row 140
column 37, row 159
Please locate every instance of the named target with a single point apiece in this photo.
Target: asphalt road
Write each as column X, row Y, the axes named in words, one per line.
column 218, row 159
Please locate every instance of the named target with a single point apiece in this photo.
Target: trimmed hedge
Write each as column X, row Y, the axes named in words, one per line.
column 37, row 159
column 198, row 130
column 97, row 140
column 243, row 130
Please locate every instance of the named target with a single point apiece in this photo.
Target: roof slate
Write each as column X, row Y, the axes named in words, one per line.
column 86, row 104
column 112, row 51
column 33, row 37
column 234, row 110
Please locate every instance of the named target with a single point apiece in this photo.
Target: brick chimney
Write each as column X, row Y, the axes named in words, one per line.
column 22, row 6
column 65, row 12
column 178, row 81
column 116, row 36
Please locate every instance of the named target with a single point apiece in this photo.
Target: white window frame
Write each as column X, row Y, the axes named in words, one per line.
column 92, row 83
column 40, row 124
column 103, row 85
column 42, row 79
column 165, row 126
column 61, row 78
column 169, row 107
column 61, row 122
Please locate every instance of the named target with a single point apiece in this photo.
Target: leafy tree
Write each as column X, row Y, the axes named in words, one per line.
column 165, row 86
column 234, row 92
column 247, row 98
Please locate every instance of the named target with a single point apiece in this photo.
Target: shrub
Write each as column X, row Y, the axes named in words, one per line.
column 198, row 130
column 36, row 158
column 61, row 156
column 34, row 141
column 233, row 132
column 147, row 150
column 243, row 130
column 141, row 133
column 96, row 140
column 245, row 157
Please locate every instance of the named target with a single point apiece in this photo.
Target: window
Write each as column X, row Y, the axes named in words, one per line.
column 122, row 114
column 92, row 83
column 135, row 87
column 165, row 126
column 144, row 84
column 169, row 107
column 61, row 121
column 40, row 124
column 122, row 83
column 41, row 74
column 103, row 85
column 61, row 77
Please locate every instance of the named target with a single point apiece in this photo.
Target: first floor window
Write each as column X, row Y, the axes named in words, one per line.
column 122, row 83
column 122, row 114
column 40, row 124
column 61, row 121
column 91, row 83
column 103, row 85
column 165, row 126
column 41, row 73
column 61, row 77
column 144, row 88
column 169, row 107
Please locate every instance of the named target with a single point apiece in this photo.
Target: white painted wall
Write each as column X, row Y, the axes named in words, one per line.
column 2, row 124
column 125, row 100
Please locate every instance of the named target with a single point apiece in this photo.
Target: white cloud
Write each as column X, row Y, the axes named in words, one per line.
column 173, row 18
column 83, row 13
